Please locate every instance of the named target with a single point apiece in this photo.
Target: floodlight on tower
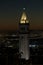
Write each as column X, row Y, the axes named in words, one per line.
column 24, row 19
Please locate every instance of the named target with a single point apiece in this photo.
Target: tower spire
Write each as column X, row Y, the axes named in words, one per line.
column 24, row 18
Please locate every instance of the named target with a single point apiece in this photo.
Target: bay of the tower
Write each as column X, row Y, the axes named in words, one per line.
column 23, row 38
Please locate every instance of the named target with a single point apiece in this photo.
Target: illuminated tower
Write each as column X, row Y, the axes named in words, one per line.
column 24, row 33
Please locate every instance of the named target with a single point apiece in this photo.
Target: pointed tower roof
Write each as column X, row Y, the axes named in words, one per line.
column 24, row 18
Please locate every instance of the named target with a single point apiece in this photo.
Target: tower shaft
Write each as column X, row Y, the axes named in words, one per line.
column 24, row 46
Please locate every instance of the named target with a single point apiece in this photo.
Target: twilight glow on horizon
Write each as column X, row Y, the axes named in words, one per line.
column 10, row 12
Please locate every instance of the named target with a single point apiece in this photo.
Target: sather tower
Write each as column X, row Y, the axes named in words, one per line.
column 23, row 39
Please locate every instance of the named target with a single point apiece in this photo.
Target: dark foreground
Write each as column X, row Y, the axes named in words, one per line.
column 11, row 56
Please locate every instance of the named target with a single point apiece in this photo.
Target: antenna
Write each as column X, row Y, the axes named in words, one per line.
column 24, row 8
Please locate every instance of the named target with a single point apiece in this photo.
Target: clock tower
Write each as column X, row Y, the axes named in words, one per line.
column 23, row 36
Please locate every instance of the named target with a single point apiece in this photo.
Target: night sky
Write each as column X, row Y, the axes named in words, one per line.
column 10, row 12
